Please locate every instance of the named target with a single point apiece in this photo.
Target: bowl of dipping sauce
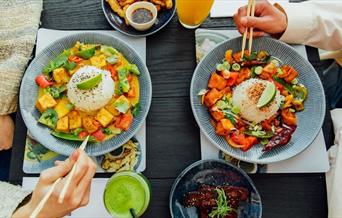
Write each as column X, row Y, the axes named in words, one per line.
column 142, row 15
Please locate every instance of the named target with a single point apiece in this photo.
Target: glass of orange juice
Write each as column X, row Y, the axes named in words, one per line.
column 192, row 13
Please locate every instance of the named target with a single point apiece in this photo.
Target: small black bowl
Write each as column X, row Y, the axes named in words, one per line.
column 215, row 173
column 118, row 23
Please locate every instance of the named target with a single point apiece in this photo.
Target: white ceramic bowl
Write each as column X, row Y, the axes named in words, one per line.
column 142, row 26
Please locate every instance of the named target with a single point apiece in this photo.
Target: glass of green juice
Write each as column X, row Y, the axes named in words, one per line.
column 127, row 192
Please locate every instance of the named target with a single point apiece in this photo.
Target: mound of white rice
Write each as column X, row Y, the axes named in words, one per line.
column 246, row 97
column 94, row 98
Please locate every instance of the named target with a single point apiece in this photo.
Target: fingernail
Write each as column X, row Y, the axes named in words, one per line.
column 243, row 21
column 75, row 155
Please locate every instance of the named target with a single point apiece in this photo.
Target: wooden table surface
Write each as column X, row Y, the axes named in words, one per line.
column 173, row 140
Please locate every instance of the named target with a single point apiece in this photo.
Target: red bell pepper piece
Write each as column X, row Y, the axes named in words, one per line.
column 42, row 81
column 232, row 78
column 75, row 59
column 99, row 135
column 82, row 134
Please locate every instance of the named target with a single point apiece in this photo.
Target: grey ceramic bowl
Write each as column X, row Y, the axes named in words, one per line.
column 29, row 93
column 215, row 173
column 309, row 121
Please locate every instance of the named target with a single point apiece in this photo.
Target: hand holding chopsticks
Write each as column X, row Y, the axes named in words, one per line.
column 71, row 174
column 250, row 13
column 68, row 182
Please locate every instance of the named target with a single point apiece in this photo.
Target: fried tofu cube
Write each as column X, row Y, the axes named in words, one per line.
column 220, row 130
column 75, row 120
column 227, row 125
column 60, row 75
column 45, row 101
column 98, row 61
column 63, row 124
column 63, row 107
column 169, row 4
column 89, row 124
column 216, row 81
column 212, row 97
column 104, row 117
column 112, row 110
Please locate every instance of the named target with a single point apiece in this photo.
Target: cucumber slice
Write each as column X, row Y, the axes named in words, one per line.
column 236, row 67
column 258, row 70
column 220, row 67
column 267, row 96
column 275, row 62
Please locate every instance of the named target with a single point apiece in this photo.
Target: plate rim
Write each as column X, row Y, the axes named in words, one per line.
column 143, row 34
column 260, row 161
column 193, row 165
column 60, row 40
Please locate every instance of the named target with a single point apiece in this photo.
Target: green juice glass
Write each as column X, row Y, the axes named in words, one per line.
column 126, row 193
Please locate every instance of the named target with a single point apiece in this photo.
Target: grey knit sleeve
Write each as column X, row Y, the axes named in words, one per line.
column 18, row 27
column 10, row 197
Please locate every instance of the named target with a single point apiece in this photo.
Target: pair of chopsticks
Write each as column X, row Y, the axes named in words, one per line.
column 250, row 13
column 65, row 187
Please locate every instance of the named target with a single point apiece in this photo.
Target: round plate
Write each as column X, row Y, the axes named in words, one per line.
column 118, row 23
column 29, row 93
column 215, row 173
column 309, row 121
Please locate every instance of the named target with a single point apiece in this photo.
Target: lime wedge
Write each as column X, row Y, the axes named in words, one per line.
column 90, row 83
column 267, row 95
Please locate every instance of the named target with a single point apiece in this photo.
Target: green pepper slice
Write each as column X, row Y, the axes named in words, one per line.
column 123, row 81
column 49, row 118
column 87, row 53
column 59, row 61
column 70, row 136
column 287, row 86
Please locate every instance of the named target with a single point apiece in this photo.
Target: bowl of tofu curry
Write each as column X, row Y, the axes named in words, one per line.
column 90, row 89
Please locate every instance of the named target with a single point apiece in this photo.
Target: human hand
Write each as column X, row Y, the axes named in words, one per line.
column 268, row 19
column 6, row 132
column 77, row 194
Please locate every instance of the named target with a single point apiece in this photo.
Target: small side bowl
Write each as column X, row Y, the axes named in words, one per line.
column 142, row 26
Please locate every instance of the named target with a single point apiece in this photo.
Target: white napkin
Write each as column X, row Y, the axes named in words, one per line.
column 227, row 8
column 334, row 176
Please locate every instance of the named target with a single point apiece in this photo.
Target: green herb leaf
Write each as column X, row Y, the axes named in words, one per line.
column 136, row 109
column 107, row 131
column 57, row 62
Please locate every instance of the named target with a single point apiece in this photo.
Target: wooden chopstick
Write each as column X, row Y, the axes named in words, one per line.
column 71, row 174
column 250, row 41
column 44, row 200
column 249, row 7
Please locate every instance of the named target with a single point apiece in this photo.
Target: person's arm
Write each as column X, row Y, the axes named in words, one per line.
column 10, row 198
column 77, row 194
column 314, row 23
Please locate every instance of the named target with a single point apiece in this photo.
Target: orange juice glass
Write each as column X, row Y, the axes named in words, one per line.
column 192, row 13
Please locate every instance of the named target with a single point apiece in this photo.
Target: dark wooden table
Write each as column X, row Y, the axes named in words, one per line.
column 172, row 133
